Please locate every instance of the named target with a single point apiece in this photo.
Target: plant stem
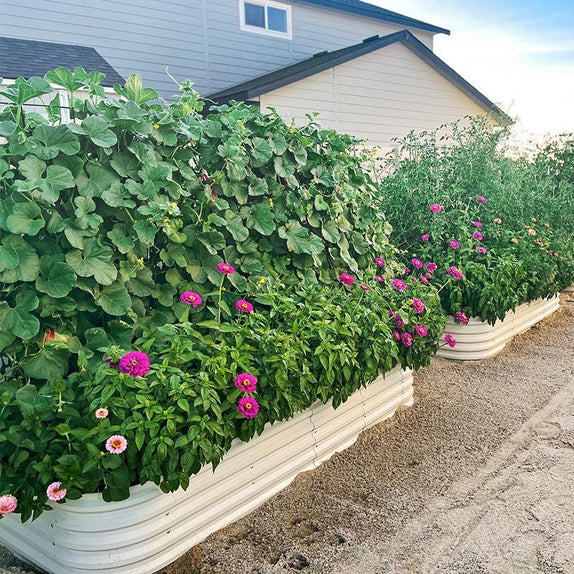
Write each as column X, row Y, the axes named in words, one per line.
column 219, row 301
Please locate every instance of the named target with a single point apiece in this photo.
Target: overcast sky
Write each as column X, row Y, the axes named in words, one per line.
column 519, row 53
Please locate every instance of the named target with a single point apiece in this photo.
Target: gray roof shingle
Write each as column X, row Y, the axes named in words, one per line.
column 28, row 58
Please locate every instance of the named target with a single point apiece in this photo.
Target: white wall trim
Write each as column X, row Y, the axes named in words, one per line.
column 265, row 31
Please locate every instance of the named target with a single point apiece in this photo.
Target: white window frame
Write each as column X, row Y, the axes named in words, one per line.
column 255, row 29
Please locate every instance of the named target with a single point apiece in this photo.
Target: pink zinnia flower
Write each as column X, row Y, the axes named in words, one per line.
column 454, row 272
column 477, row 235
column 398, row 321
column 248, row 407
column 450, row 340
column 477, row 223
column 112, row 364
column 424, row 280
column 454, row 244
column 482, row 199
column 431, row 267
column 379, row 278
column 244, row 306
column 225, row 268
column 399, row 285
column 135, row 364
column 418, row 306
column 102, row 413
column 191, row 298
column 346, row 279
column 8, row 504
column 116, row 444
column 421, row 330
column 481, row 250
column 425, row 237
column 55, row 492
column 435, row 208
column 365, row 287
column 246, row 382
column 406, row 270
column 380, row 262
column 461, row 318
column 407, row 339
column 396, row 335
column 417, row 263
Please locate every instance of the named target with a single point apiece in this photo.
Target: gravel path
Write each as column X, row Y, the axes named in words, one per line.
column 475, row 478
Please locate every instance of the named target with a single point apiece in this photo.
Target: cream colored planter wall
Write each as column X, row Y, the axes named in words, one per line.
column 151, row 529
column 479, row 340
column 569, row 289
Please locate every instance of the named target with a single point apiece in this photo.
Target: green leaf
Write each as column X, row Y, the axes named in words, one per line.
column 28, row 266
column 135, row 91
column 9, row 258
column 121, row 239
column 213, row 241
column 263, row 219
column 25, row 219
column 114, row 300
column 60, row 281
column 97, row 129
column 299, row 240
column 142, row 284
column 57, row 179
column 261, row 151
column 146, row 231
column 94, row 261
column 52, row 140
column 48, row 364
column 125, row 164
column 118, row 196
column 7, row 128
column 235, row 226
column 330, row 231
column 257, row 186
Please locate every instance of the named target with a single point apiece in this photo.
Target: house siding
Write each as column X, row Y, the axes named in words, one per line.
column 381, row 96
column 198, row 40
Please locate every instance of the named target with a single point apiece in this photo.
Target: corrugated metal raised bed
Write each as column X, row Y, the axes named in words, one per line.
column 151, row 529
column 479, row 340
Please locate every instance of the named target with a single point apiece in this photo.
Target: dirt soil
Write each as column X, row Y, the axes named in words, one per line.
column 475, row 478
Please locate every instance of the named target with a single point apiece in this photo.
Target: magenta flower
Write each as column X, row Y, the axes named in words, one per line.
column 455, row 272
column 431, row 267
column 135, row 364
column 482, row 199
column 398, row 321
column 379, row 278
column 425, row 237
column 414, row 279
column 225, row 268
column 421, row 330
column 380, row 262
column 424, row 280
column 417, row 263
column 461, row 318
column 346, row 279
column 477, row 223
column 428, row 275
column 418, row 306
column 454, row 244
column 399, row 285
column 248, row 407
column 481, row 250
column 102, row 413
column 407, row 339
column 8, row 504
column 246, row 382
column 435, row 208
column 191, row 298
column 365, row 287
column 55, row 492
column 396, row 335
column 116, row 444
column 244, row 306
column 450, row 340
column 406, row 270
column 477, row 235
column 112, row 364
column 391, row 313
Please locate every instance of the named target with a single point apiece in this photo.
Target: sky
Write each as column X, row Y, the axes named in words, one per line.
column 518, row 53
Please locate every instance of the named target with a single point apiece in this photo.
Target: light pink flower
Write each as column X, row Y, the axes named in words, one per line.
column 346, row 279
column 421, row 330
column 477, row 223
column 135, row 364
column 425, row 237
column 379, row 278
column 116, row 444
column 244, row 306
column 417, row 263
column 481, row 250
column 380, row 262
column 450, row 340
column 435, row 208
column 424, row 280
column 55, row 492
column 246, row 382
column 248, row 407
column 454, row 244
column 102, row 413
column 399, row 285
column 418, row 306
column 364, row 287
column 8, row 504
column 225, row 268
column 191, row 298
column 407, row 339
column 482, row 199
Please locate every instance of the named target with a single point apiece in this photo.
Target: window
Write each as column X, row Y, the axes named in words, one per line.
column 266, row 17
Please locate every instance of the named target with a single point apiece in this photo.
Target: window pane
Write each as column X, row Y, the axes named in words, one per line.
column 276, row 19
column 254, row 15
